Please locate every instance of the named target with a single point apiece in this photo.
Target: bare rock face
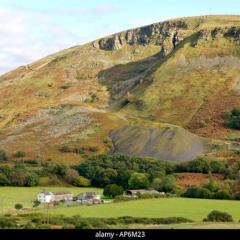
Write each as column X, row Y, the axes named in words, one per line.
column 161, row 34
column 228, row 32
column 113, row 43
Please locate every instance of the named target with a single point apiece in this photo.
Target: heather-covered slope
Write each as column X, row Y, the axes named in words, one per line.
column 183, row 72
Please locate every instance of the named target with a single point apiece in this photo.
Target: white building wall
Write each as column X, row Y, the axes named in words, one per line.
column 42, row 198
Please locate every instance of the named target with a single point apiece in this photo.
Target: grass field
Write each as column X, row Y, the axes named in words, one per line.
column 11, row 195
column 195, row 225
column 194, row 209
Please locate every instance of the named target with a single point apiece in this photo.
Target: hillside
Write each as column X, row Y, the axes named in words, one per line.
column 121, row 93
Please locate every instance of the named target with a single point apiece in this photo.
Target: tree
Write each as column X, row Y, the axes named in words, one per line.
column 217, row 167
column 71, row 175
column 199, row 166
column 168, row 184
column 18, row 206
column 36, row 203
column 212, row 185
column 122, row 178
column 108, row 175
column 81, row 182
column 3, row 156
column 32, row 180
column 138, row 180
column 156, row 183
column 4, row 181
column 60, row 170
column 113, row 190
column 18, row 177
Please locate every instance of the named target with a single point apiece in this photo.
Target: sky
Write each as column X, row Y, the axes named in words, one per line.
column 31, row 29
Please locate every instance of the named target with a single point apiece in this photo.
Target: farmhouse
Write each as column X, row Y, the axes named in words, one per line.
column 48, row 197
column 62, row 196
column 136, row 192
column 88, row 198
column 45, row 197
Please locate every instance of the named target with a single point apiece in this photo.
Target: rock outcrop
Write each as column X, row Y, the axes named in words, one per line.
column 166, row 34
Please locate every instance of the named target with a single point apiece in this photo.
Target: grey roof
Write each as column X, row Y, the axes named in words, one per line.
column 47, row 193
column 87, row 195
column 141, row 191
column 62, row 193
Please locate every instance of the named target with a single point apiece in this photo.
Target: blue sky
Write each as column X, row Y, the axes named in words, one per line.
column 31, row 29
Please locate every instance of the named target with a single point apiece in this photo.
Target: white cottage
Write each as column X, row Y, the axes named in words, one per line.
column 45, row 197
column 48, row 197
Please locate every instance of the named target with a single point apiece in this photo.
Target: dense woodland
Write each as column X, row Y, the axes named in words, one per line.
column 116, row 173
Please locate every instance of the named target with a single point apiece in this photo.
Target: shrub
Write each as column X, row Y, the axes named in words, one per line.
column 79, row 150
column 18, row 206
column 32, row 161
column 234, row 119
column 83, row 225
column 221, row 195
column 19, row 154
column 197, row 192
column 138, row 180
column 65, row 149
column 122, row 198
column 93, row 149
column 172, row 220
column 199, row 165
column 7, row 223
column 81, row 182
column 237, row 196
column 212, row 185
column 143, row 220
column 234, row 122
column 29, row 225
column 235, row 111
column 217, row 216
column 49, row 181
column 113, row 190
column 150, row 195
column 3, row 156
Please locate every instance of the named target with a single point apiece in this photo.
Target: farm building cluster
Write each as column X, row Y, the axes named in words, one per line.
column 68, row 197
column 88, row 198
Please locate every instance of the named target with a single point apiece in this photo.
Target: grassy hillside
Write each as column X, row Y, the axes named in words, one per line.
column 77, row 96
